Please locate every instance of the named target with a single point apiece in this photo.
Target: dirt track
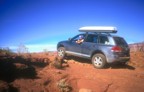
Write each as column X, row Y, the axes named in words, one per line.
column 108, row 80
column 78, row 75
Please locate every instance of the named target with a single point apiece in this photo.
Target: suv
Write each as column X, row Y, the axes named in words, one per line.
column 98, row 45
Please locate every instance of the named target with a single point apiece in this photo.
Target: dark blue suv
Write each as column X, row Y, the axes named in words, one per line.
column 100, row 47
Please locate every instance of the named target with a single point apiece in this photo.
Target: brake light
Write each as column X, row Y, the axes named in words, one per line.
column 116, row 49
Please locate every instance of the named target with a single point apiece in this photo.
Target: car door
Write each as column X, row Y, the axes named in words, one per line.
column 73, row 47
column 89, row 45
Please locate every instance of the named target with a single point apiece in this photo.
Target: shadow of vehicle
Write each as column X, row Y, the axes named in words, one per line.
column 120, row 66
column 78, row 59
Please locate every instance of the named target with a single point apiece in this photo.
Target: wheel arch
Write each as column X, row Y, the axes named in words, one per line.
column 97, row 52
column 60, row 45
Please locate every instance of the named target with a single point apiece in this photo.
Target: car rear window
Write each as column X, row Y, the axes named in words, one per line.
column 120, row 41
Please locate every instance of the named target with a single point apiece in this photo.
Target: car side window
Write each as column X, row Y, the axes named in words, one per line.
column 77, row 37
column 103, row 40
column 92, row 38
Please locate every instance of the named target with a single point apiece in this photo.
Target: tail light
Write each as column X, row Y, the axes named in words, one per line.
column 116, row 49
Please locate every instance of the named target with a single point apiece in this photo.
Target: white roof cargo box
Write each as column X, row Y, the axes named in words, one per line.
column 101, row 29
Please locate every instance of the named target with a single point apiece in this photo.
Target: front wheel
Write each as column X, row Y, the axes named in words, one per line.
column 61, row 52
column 99, row 61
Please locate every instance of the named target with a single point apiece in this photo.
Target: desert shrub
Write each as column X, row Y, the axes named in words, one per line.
column 58, row 62
column 5, row 51
column 46, row 52
column 22, row 49
column 63, row 86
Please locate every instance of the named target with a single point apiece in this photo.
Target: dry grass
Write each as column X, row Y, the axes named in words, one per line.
column 63, row 86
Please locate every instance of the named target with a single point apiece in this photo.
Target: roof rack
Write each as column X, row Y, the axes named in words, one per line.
column 98, row 29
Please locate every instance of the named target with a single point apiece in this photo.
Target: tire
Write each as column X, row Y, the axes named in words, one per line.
column 99, row 61
column 61, row 52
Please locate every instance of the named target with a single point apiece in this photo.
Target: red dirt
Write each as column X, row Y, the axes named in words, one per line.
column 39, row 75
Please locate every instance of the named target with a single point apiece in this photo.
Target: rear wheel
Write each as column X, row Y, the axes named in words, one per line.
column 99, row 61
column 61, row 52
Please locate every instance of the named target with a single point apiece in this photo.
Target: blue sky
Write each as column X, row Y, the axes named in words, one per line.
column 40, row 24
